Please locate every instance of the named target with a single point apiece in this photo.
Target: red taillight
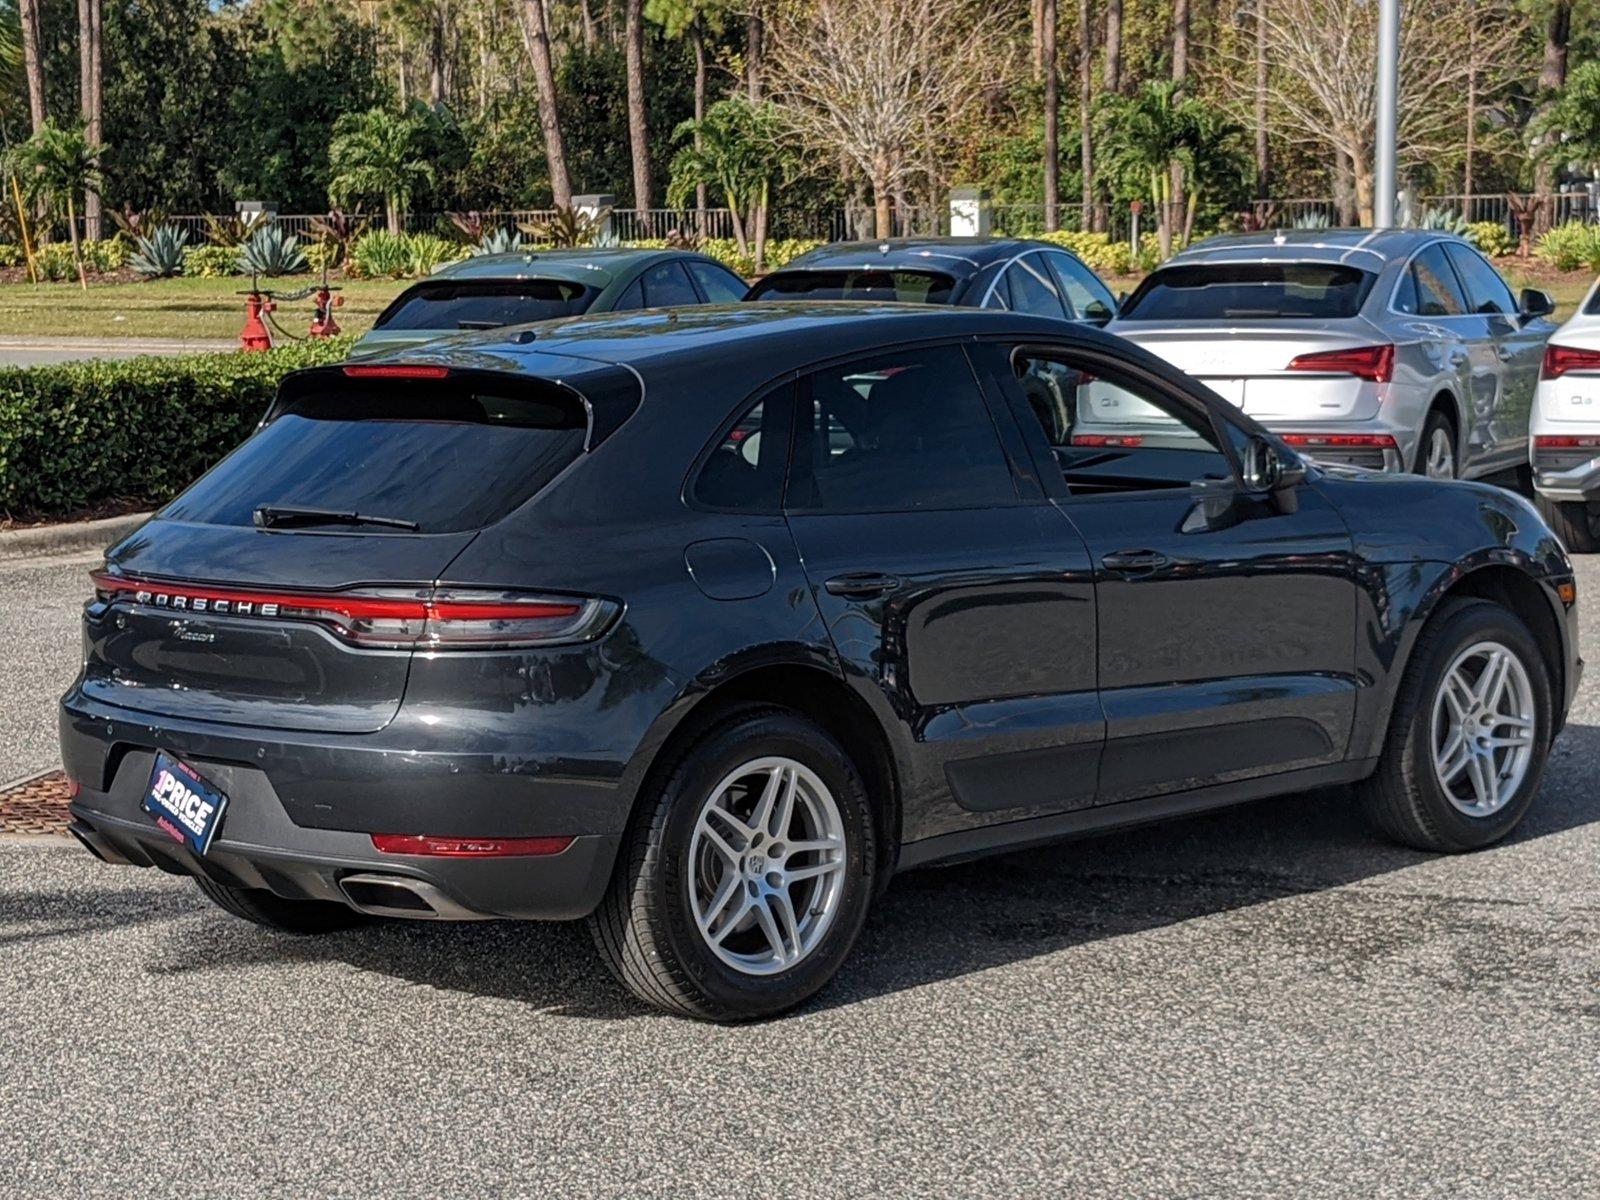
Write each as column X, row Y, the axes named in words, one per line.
column 395, row 371
column 1341, row 441
column 387, row 618
column 1566, row 441
column 73, row 788
column 1558, row 360
column 1124, row 440
column 1364, row 362
column 457, row 847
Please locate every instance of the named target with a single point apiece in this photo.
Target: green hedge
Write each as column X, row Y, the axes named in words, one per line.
column 141, row 429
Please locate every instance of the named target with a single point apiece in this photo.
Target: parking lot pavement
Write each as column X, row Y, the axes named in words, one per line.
column 39, row 626
column 1262, row 1002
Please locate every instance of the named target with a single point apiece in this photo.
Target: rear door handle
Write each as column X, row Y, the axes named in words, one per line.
column 860, row 585
column 1133, row 561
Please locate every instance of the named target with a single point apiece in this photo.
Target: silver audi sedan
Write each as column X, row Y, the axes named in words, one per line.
column 1398, row 350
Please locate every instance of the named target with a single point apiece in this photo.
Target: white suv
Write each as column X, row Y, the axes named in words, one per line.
column 1564, row 446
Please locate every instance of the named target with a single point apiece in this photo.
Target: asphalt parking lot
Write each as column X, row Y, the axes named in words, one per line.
column 1263, row 1002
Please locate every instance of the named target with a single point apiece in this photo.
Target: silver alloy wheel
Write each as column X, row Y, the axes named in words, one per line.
column 1484, row 722
column 1440, row 462
column 766, row 865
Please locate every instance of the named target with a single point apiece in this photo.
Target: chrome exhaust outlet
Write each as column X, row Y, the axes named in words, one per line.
column 401, row 896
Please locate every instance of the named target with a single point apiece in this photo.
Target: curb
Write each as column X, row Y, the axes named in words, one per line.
column 68, row 538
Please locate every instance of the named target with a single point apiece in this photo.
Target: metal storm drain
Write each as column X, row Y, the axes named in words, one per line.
column 37, row 805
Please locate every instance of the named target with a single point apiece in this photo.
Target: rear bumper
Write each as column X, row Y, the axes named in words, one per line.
column 1563, row 475
column 260, row 844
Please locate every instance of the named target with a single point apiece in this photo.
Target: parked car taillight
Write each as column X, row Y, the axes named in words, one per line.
column 1340, row 441
column 1364, row 362
column 1125, row 440
column 1558, row 360
column 388, row 618
column 1567, row 441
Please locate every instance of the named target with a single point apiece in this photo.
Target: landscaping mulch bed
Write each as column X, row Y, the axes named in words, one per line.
column 116, row 507
column 37, row 806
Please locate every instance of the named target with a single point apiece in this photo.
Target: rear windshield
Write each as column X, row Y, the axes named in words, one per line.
column 1249, row 291
column 481, row 304
column 444, row 456
column 922, row 287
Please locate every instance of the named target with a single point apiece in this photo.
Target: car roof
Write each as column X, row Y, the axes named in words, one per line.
column 791, row 334
column 1371, row 249
column 958, row 256
column 593, row 265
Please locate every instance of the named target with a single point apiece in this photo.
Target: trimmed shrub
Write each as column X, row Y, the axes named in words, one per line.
column 1099, row 253
column 78, row 433
column 1493, row 238
column 11, row 255
column 211, row 261
column 1571, row 247
column 320, row 254
column 427, row 251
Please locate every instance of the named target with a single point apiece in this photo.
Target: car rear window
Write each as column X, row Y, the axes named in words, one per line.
column 921, row 287
column 444, row 455
column 485, row 304
column 1249, row 291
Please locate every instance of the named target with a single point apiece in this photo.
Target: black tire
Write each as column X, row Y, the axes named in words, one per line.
column 1437, row 420
column 1403, row 797
column 288, row 916
column 1575, row 522
column 645, row 928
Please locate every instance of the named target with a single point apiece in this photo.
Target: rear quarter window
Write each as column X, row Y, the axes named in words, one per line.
column 1250, row 291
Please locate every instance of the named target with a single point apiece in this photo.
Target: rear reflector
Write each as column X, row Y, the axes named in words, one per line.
column 1375, row 363
column 455, row 847
column 1125, row 440
column 1558, row 360
column 1341, row 441
column 396, row 371
column 386, row 618
column 1567, row 442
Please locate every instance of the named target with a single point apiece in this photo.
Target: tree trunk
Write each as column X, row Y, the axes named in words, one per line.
column 1263, row 161
column 882, row 224
column 1180, row 74
column 435, row 58
column 1037, row 57
column 1046, row 15
column 1086, row 219
column 755, row 36
column 698, row 37
column 536, row 38
column 400, row 66
column 1365, row 187
column 1552, row 78
column 1113, row 64
column 32, row 61
column 391, row 215
column 90, row 79
column 77, row 246
column 1343, row 188
column 638, row 131
column 1472, row 109
column 590, row 35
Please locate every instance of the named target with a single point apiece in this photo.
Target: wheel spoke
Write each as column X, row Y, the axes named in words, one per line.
column 769, row 928
column 729, row 925
column 722, row 845
column 1457, row 695
column 761, row 819
column 745, row 833
column 780, row 825
column 1488, row 686
column 1485, row 780
column 1513, row 720
column 806, row 847
column 787, row 922
column 799, row 874
column 731, row 884
column 1522, row 737
column 1450, row 764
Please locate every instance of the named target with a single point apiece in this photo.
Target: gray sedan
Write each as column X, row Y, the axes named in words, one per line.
column 1399, row 350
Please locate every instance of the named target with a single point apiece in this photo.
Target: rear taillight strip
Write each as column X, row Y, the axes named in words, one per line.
column 1373, row 363
column 1342, row 441
column 1558, row 360
column 461, row 847
column 423, row 620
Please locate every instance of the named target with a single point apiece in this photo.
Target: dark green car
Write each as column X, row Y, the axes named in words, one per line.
column 491, row 290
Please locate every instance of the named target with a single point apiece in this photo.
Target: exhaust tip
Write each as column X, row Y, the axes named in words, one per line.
column 401, row 896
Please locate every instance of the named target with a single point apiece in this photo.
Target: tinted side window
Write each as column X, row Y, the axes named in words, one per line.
column 1033, row 289
column 745, row 471
column 668, row 284
column 632, row 298
column 897, row 432
column 1438, row 294
column 720, row 285
column 1087, row 298
column 1486, row 291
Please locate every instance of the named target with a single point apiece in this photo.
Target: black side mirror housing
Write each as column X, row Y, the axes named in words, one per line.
column 1267, row 469
column 1534, row 303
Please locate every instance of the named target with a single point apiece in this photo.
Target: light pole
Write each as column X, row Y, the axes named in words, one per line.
column 1388, row 96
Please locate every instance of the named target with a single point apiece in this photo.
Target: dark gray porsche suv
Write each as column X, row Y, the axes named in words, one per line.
column 701, row 623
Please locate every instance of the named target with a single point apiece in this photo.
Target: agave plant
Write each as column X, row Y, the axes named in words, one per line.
column 1312, row 220
column 498, row 241
column 566, row 227
column 270, row 252
column 159, row 254
column 1447, row 220
column 233, row 231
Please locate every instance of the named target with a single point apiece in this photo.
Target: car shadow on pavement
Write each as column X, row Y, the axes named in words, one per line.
column 30, row 916
column 944, row 922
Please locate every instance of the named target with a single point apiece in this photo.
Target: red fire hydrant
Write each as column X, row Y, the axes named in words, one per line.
column 254, row 335
column 322, row 305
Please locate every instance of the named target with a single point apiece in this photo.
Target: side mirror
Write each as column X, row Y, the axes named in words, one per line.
column 1534, row 303
column 1266, row 469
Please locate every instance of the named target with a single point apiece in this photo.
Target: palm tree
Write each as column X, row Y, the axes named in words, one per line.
column 739, row 148
column 54, row 166
column 693, row 19
column 378, row 154
column 638, row 130
column 1052, row 112
column 91, row 80
column 1151, row 136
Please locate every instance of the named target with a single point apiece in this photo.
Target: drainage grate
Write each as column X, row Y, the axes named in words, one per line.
column 37, row 805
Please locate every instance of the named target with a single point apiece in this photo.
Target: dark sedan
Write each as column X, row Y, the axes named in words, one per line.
column 702, row 623
column 1010, row 274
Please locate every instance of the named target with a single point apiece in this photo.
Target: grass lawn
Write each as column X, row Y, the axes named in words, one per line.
column 211, row 308
column 170, row 308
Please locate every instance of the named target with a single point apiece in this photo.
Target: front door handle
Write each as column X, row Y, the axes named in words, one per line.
column 1131, row 562
column 861, row 585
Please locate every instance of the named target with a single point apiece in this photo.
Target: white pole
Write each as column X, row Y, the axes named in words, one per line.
column 1388, row 94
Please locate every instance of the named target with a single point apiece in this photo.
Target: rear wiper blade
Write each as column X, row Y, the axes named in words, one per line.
column 270, row 516
column 479, row 324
